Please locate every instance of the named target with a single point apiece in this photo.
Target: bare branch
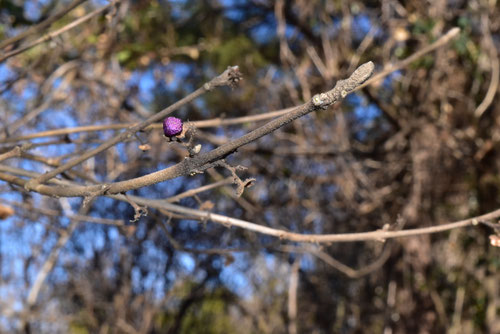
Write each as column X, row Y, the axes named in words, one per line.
column 198, row 124
column 292, row 296
column 495, row 68
column 240, row 184
column 379, row 235
column 15, row 152
column 228, row 77
column 443, row 40
column 201, row 161
column 42, row 25
column 56, row 33
column 193, row 192
column 344, row 87
column 49, row 264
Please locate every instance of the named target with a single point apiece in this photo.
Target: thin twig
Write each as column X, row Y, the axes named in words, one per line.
column 292, row 296
column 205, row 160
column 375, row 265
column 56, row 33
column 56, row 213
column 49, row 264
column 379, row 235
column 15, row 152
column 198, row 124
column 228, row 77
column 37, row 28
column 337, row 265
column 495, row 68
column 195, row 191
column 443, row 40
column 238, row 120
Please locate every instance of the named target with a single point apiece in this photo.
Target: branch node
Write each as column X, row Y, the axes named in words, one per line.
column 31, row 185
column 139, row 211
column 230, row 77
column 90, row 196
column 190, row 134
column 224, row 223
column 240, row 184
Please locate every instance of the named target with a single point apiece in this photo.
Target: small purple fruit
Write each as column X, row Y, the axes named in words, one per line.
column 172, row 126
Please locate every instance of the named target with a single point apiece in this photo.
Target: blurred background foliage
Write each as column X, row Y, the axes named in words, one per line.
column 411, row 150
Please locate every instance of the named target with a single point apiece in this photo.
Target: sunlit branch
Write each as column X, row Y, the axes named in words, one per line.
column 378, row 235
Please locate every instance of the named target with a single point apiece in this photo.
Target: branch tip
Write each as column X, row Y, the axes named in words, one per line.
column 344, row 87
column 230, row 77
column 362, row 73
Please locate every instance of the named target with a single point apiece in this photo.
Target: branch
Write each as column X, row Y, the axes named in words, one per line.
column 15, row 152
column 201, row 161
column 495, row 68
column 443, row 40
column 292, row 296
column 337, row 265
column 56, row 33
column 57, row 213
column 49, row 264
column 379, row 235
column 228, row 77
column 240, row 184
column 344, row 87
column 195, row 191
column 42, row 25
column 198, row 124
column 245, row 119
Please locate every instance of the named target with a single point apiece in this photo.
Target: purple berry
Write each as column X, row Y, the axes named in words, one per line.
column 172, row 126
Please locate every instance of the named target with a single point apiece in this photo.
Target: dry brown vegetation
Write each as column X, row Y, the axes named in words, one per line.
column 276, row 210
